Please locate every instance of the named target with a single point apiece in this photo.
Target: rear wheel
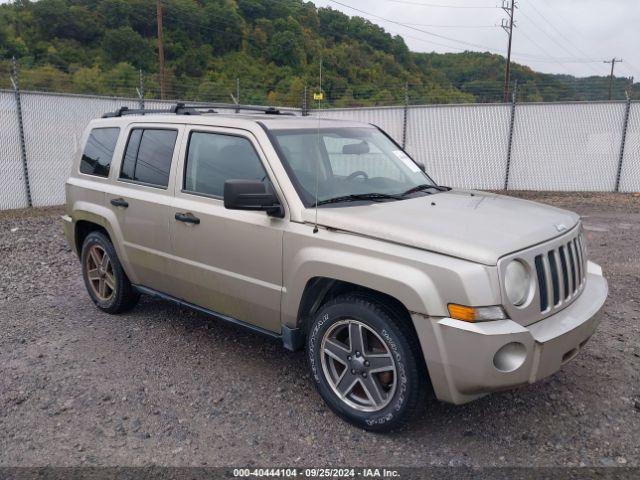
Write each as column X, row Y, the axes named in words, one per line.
column 104, row 278
column 364, row 360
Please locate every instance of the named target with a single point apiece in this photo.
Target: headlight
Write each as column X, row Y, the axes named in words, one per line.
column 517, row 282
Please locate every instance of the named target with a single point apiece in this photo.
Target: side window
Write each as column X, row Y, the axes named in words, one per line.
column 147, row 158
column 214, row 158
column 98, row 152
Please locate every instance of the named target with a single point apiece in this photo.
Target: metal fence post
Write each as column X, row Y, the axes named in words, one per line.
column 625, row 126
column 305, row 109
column 405, row 115
column 23, row 149
column 140, row 90
column 510, row 140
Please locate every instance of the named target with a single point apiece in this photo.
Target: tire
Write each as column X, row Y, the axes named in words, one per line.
column 384, row 330
column 104, row 278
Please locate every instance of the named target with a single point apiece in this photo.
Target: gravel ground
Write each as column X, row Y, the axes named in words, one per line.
column 162, row 385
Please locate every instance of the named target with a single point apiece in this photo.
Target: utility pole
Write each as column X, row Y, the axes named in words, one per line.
column 613, row 64
column 507, row 26
column 160, row 48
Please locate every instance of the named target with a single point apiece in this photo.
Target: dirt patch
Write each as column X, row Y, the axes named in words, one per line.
column 162, row 385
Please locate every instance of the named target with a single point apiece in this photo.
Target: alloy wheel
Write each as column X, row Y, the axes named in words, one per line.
column 358, row 365
column 99, row 269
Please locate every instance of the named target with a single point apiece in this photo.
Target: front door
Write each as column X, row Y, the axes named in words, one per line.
column 228, row 261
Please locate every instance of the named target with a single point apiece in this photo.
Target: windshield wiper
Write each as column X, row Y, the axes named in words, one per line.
column 360, row 196
column 423, row 187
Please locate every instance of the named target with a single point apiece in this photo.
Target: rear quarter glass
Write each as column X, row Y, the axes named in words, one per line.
column 98, row 151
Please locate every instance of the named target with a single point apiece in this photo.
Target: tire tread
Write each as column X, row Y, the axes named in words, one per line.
column 418, row 376
column 126, row 294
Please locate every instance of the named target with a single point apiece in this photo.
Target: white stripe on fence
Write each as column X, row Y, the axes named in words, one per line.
column 554, row 146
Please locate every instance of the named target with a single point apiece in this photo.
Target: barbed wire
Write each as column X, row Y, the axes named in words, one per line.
column 337, row 92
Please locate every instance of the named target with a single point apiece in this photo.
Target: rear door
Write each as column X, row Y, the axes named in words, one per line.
column 141, row 199
column 230, row 261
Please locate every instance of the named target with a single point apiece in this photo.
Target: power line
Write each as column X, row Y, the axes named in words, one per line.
column 416, row 29
column 544, row 32
column 631, row 67
column 559, row 32
column 539, row 47
column 409, row 26
column 449, row 26
column 432, row 5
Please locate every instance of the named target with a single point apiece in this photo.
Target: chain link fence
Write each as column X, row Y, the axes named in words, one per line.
column 13, row 193
column 573, row 146
column 630, row 167
column 463, row 146
column 53, row 126
column 587, row 146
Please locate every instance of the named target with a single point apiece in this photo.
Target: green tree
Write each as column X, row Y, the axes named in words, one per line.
column 126, row 45
column 115, row 13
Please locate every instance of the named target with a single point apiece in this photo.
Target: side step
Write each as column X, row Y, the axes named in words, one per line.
column 292, row 338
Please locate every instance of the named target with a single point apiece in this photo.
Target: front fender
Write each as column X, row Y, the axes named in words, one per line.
column 424, row 282
column 402, row 282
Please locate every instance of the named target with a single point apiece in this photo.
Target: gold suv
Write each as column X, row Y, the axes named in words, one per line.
column 328, row 236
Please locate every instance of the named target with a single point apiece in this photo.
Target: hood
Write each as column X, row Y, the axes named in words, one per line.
column 476, row 226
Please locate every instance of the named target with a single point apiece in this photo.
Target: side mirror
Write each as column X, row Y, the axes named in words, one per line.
column 251, row 195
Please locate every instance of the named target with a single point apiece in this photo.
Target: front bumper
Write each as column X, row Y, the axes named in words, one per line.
column 468, row 360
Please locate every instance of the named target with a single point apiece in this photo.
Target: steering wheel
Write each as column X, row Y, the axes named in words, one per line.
column 357, row 173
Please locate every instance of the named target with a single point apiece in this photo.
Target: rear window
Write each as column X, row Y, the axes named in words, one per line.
column 148, row 156
column 98, row 152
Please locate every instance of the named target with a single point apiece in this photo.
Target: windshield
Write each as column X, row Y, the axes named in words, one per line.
column 348, row 162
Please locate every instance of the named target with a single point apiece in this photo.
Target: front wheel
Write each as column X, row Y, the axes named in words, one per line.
column 364, row 359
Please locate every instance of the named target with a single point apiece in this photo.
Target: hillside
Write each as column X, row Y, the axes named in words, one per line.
column 272, row 47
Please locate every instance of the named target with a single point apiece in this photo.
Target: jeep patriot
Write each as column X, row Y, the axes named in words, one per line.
column 327, row 235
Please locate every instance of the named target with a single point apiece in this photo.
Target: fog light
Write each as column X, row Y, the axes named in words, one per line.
column 510, row 357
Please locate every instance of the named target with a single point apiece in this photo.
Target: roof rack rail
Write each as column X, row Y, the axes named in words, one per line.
column 178, row 109
column 238, row 107
column 182, row 109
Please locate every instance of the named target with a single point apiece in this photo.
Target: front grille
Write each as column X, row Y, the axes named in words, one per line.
column 561, row 273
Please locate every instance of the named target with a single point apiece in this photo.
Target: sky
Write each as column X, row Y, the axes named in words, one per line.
column 554, row 36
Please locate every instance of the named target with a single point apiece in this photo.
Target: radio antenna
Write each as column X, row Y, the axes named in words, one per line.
column 319, row 97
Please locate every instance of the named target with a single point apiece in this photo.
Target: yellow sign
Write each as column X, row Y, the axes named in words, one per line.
column 318, row 96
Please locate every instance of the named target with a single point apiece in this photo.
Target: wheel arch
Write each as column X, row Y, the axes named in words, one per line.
column 319, row 290
column 88, row 217
column 83, row 228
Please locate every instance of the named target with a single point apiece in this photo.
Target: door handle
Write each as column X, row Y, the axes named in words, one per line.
column 187, row 218
column 119, row 202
